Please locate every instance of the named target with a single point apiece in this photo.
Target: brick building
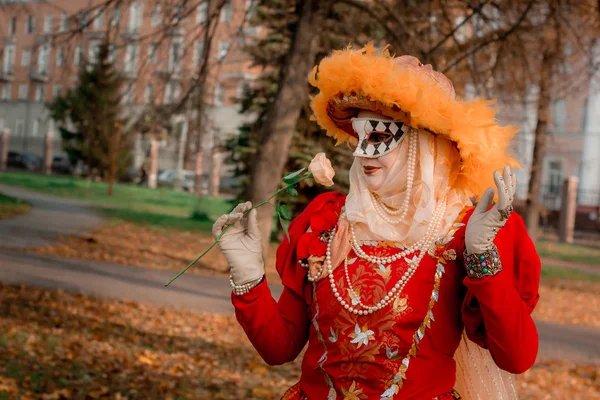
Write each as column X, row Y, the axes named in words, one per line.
column 156, row 45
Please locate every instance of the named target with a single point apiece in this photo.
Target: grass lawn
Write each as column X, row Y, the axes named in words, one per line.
column 569, row 252
column 160, row 207
column 10, row 206
column 551, row 273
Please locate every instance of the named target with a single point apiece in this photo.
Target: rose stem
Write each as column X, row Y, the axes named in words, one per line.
column 228, row 226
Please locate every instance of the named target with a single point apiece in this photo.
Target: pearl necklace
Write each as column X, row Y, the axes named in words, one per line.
column 399, row 286
column 381, row 208
column 429, row 235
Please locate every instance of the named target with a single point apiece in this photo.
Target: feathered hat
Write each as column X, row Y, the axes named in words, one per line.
column 402, row 88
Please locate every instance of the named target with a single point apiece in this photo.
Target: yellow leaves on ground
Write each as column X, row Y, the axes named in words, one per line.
column 570, row 302
column 56, row 345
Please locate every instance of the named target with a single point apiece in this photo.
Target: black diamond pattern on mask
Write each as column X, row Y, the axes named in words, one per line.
column 373, row 124
column 376, row 145
column 363, row 146
column 387, row 126
column 398, row 134
column 387, row 144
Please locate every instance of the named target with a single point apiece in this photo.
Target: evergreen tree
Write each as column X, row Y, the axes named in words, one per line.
column 92, row 128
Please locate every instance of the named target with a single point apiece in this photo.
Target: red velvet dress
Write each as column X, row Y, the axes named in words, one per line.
column 406, row 349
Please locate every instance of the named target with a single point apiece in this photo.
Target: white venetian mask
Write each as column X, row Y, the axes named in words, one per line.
column 377, row 136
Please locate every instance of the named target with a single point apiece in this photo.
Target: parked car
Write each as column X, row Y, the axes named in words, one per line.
column 26, row 161
column 61, row 165
column 167, row 178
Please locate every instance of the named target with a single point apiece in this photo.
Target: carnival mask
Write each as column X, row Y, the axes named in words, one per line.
column 377, row 136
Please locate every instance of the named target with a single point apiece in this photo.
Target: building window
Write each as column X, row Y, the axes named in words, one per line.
column 156, row 16
column 20, row 128
column 25, row 58
column 43, row 56
column 149, row 94
column 129, row 93
column 250, row 9
column 77, row 58
column 112, row 53
column 172, row 91
column 48, row 24
column 116, row 16
column 153, row 53
column 131, row 57
column 23, row 91
column 39, row 92
column 35, row 127
column 175, row 56
column 63, row 22
column 56, row 91
column 7, row 91
column 179, row 12
column 94, row 51
column 99, row 20
column 12, row 26
column 60, row 57
column 135, row 17
column 202, row 13
column 226, row 12
column 9, row 58
column 219, row 99
column 223, row 49
column 241, row 89
column 198, row 53
column 83, row 19
column 559, row 114
column 29, row 25
column 554, row 177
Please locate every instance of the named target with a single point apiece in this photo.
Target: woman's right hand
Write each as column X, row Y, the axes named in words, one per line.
column 241, row 244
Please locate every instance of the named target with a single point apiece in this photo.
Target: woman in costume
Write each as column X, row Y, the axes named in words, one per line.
column 402, row 289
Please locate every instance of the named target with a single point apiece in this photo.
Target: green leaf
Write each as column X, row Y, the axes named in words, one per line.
column 285, row 225
column 292, row 190
column 284, row 212
column 293, row 177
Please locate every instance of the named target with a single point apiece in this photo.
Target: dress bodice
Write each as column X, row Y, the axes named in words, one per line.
column 396, row 348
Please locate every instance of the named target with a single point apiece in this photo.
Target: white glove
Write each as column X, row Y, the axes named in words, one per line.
column 241, row 244
column 484, row 224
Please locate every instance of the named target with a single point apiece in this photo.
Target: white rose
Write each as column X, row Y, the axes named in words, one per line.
column 321, row 169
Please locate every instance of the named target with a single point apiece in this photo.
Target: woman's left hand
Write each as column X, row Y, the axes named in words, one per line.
column 485, row 221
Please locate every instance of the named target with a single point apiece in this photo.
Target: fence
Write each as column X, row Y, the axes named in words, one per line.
column 587, row 214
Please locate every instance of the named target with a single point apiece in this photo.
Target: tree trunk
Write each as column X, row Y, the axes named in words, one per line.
column 532, row 212
column 112, row 167
column 280, row 121
column 201, row 120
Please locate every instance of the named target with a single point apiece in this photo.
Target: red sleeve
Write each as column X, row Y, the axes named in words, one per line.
column 279, row 329
column 497, row 310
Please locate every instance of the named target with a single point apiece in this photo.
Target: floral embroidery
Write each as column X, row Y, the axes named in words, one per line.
column 400, row 305
column 390, row 353
column 334, row 335
column 361, row 336
column 354, row 295
column 353, row 393
column 384, row 271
